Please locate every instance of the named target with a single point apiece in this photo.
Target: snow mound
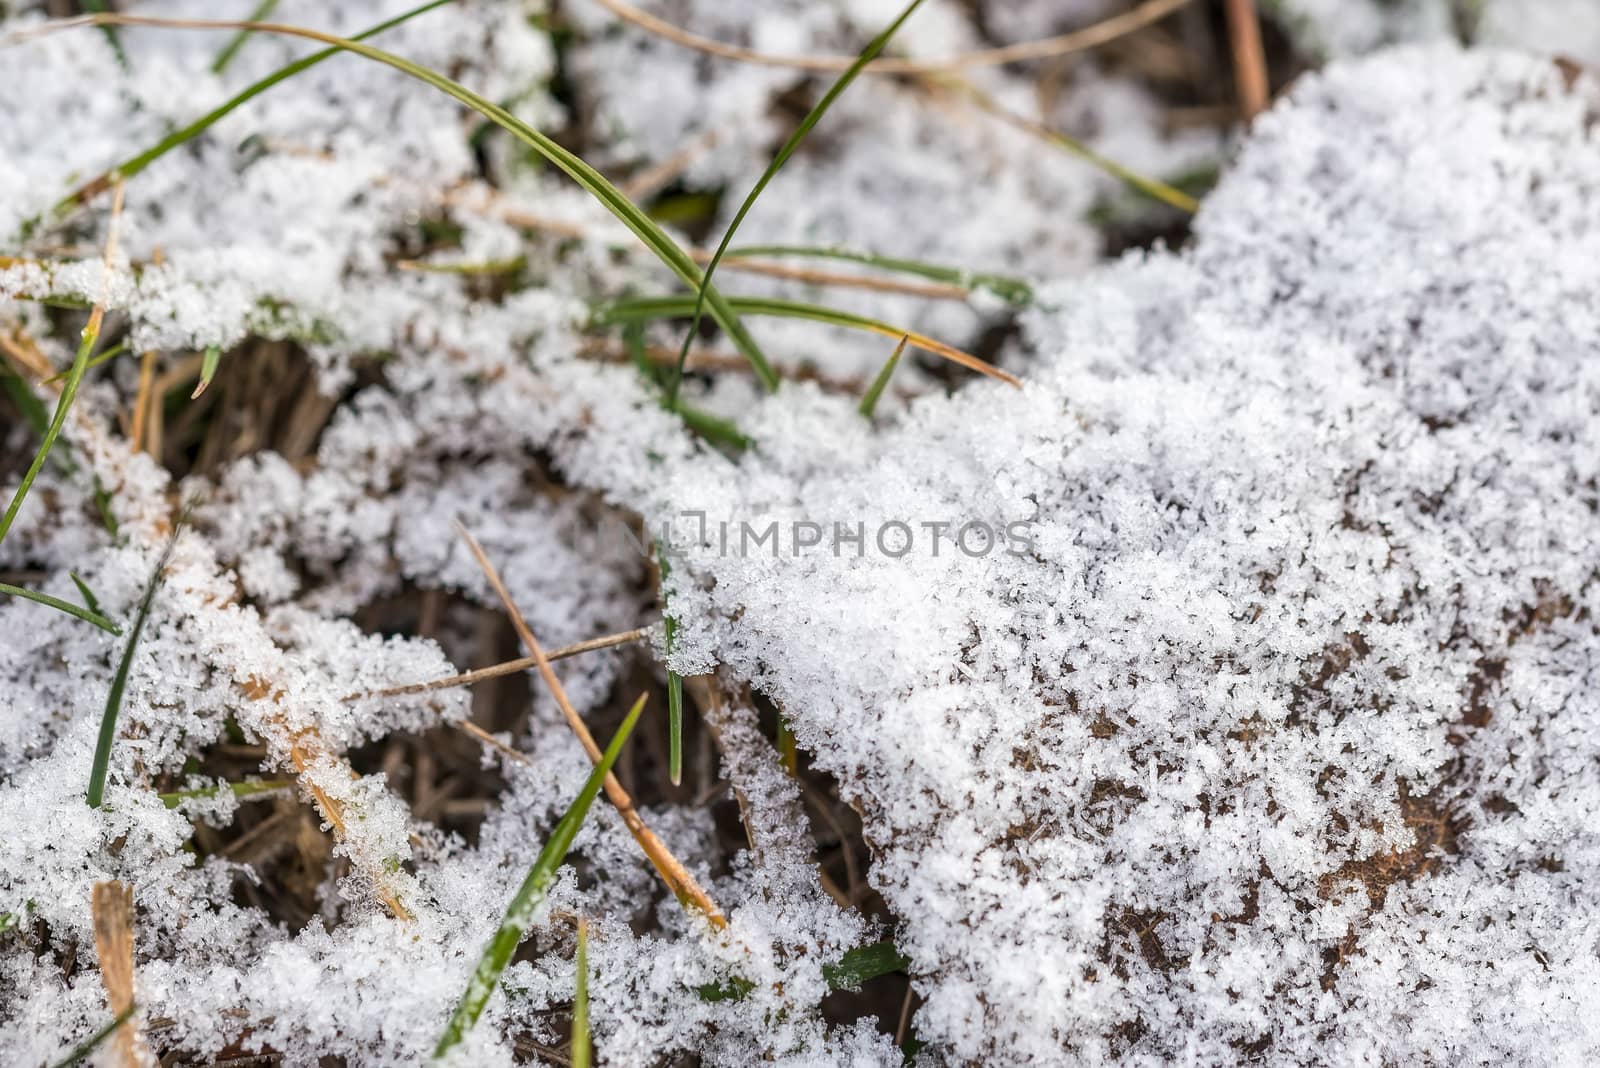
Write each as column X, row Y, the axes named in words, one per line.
column 1262, row 726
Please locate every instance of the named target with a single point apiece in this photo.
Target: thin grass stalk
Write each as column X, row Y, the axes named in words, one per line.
column 1013, row 291
column 519, row 914
column 674, row 681
column 644, row 309
column 683, row 885
column 236, row 42
column 869, row 402
column 88, row 615
column 119, row 683
column 876, row 45
column 1149, row 187
column 582, row 1054
column 69, row 390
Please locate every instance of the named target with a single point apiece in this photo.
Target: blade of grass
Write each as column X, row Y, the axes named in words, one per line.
column 241, row 790
column 105, row 357
column 582, row 1054
column 879, row 384
column 89, row 599
column 94, row 1041
column 863, row 963
column 592, row 181
column 711, row 427
column 39, row 420
column 236, row 42
column 208, row 369
column 868, row 54
column 69, row 390
column 642, row 309
column 119, row 684
column 519, row 914
column 1011, row 290
column 674, row 682
column 88, row 615
column 848, row 973
column 134, row 164
column 788, row 752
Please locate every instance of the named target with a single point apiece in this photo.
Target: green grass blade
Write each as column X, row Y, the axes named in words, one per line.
column 119, row 684
column 208, row 369
column 674, row 684
column 1149, row 187
column 134, row 164
column 712, row 428
column 86, row 593
column 241, row 790
column 497, row 954
column 879, row 384
column 645, row 309
column 39, row 420
column 868, row 54
column 1013, row 291
column 94, row 1041
column 592, row 181
column 88, row 615
column 848, row 973
column 236, row 42
column 863, row 963
column 69, row 390
column 105, row 357
column 582, row 1054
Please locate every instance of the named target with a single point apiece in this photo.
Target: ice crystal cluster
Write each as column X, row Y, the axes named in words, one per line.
column 1260, row 727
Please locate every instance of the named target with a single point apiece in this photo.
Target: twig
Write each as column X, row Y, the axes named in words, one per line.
column 1249, row 61
column 672, row 872
column 1076, row 41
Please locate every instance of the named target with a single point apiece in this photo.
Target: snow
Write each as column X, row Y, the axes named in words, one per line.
column 1263, row 730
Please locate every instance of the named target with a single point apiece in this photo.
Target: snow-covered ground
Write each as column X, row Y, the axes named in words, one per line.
column 1228, row 693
